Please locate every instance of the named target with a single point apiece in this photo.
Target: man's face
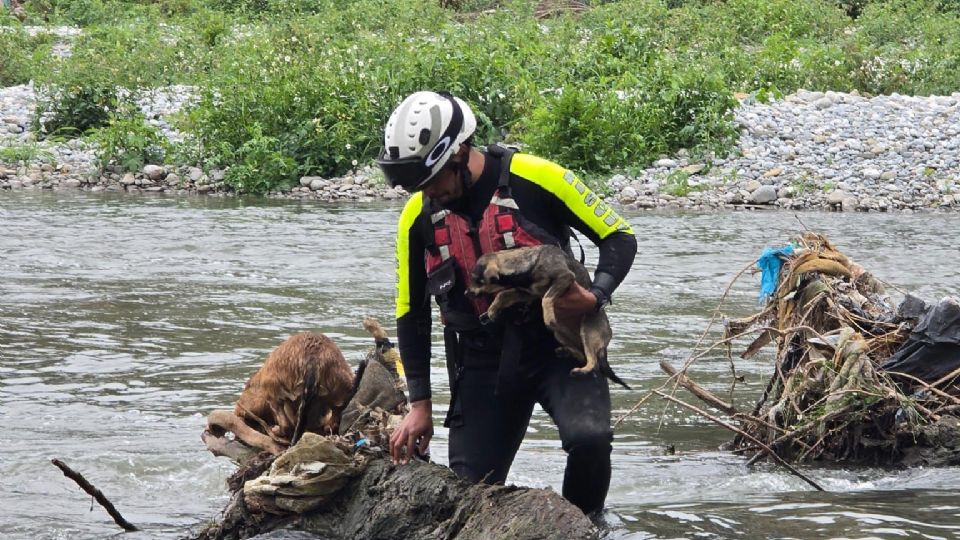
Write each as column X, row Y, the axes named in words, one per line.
column 445, row 187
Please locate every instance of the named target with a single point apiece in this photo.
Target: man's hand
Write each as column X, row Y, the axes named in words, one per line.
column 415, row 431
column 574, row 303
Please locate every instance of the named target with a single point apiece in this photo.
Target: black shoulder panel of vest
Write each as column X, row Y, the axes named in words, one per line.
column 505, row 153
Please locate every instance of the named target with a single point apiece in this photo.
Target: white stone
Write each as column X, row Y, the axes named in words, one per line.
column 665, row 163
column 837, row 196
column 764, row 195
column 154, row 172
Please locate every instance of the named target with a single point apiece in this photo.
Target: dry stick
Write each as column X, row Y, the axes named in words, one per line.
column 686, row 364
column 697, row 390
column 702, row 354
column 946, row 377
column 633, row 409
column 927, row 386
column 744, row 434
column 96, row 494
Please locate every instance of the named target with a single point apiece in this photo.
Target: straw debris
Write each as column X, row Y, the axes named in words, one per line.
column 829, row 398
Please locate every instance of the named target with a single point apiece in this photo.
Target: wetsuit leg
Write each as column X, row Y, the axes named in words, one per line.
column 580, row 407
column 486, row 429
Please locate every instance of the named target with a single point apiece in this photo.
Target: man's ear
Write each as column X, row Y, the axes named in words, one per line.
column 460, row 156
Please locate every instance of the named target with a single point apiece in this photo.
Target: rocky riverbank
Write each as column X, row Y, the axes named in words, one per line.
column 810, row 150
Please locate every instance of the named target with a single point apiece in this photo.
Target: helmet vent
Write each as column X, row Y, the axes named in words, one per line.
column 394, row 152
column 424, row 136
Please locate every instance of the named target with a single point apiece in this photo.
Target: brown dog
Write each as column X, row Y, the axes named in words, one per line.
column 302, row 386
column 545, row 273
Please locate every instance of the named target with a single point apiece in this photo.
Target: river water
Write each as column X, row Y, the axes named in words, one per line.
column 125, row 320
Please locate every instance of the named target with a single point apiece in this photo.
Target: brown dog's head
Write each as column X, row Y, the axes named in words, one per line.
column 486, row 276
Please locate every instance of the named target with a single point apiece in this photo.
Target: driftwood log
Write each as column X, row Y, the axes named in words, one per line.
column 345, row 486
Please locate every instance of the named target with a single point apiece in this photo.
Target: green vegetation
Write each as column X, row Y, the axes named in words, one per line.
column 22, row 152
column 302, row 87
column 678, row 184
column 128, row 141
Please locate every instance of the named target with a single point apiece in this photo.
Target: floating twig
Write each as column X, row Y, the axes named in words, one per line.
column 96, row 494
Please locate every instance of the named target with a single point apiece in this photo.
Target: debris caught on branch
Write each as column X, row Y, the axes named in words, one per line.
column 855, row 379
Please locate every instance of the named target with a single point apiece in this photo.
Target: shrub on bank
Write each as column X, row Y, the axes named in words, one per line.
column 21, row 55
column 128, row 141
column 320, row 100
column 302, row 87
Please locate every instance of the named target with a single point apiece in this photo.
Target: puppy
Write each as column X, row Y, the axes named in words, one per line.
column 524, row 275
column 302, row 386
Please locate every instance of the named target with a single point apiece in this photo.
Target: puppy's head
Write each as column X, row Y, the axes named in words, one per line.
column 486, row 275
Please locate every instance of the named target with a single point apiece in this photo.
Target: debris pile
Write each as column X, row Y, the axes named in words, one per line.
column 842, row 390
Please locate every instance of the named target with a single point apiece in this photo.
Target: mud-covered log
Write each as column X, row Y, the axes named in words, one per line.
column 345, row 486
column 418, row 500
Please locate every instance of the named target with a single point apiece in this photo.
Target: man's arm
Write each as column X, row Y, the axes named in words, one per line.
column 413, row 303
column 577, row 206
column 413, row 335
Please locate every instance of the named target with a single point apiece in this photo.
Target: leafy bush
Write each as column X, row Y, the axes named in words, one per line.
column 21, row 56
column 71, row 111
column 255, row 166
column 75, row 12
column 128, row 141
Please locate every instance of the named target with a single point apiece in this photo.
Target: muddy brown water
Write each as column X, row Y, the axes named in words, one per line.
column 124, row 320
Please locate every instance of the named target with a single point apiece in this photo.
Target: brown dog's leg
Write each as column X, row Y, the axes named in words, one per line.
column 505, row 299
column 227, row 421
column 558, row 287
column 593, row 344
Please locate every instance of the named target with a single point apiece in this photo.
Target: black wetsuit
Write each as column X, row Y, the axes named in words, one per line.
column 491, row 408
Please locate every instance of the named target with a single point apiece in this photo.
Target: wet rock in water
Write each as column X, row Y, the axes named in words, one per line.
column 345, row 486
column 154, row 172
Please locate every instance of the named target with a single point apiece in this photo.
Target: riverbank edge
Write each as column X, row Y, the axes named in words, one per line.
column 366, row 185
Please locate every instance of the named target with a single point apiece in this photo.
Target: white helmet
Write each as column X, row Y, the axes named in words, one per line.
column 421, row 135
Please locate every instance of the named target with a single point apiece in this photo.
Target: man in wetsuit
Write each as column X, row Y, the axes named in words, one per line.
column 468, row 201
